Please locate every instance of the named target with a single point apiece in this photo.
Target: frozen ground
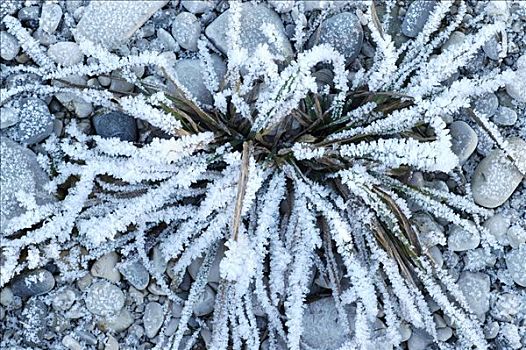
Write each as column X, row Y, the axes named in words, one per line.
column 96, row 291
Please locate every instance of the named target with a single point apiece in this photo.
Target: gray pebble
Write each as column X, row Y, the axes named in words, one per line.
column 505, row 307
column 35, row 122
column 8, row 117
column 205, row 303
column 50, row 17
column 342, row 32
column 516, row 236
column 487, row 104
column 420, row 340
column 32, row 283
column 104, row 267
column 498, row 226
column 119, row 322
column 459, row 239
column 65, row 53
column 64, row 300
column 516, row 264
column 197, row 6
column 496, row 177
column 153, row 319
column 416, row 17
column 10, row 46
column 136, row 274
column 104, row 299
column 505, row 116
column 464, row 140
column 186, row 30
column 475, row 286
column 116, row 124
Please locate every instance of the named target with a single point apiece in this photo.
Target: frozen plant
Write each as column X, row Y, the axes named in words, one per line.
column 288, row 177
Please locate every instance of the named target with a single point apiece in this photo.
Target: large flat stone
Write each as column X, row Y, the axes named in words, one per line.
column 111, row 23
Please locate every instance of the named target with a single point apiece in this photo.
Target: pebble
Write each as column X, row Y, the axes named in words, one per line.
column 153, row 319
column 35, row 122
column 111, row 343
column 117, row 323
column 516, row 264
column 115, row 124
column 475, row 286
column 71, row 343
column 167, row 40
column 505, row 307
column 136, row 274
column 516, row 236
column 416, row 17
column 491, row 48
column 491, row 330
column 456, row 38
column 33, row 322
column 343, row 32
column 496, row 177
column 32, row 283
column 505, row 116
column 6, row 296
column 104, row 298
column 197, row 6
column 253, row 17
column 497, row 226
column 322, row 328
column 436, row 256
column 443, row 334
column 8, row 117
column 50, row 17
column 10, row 46
column 516, row 88
column 186, row 30
column 205, row 303
column 460, row 240
column 104, row 267
column 112, row 23
column 64, row 300
column 431, row 233
column 420, row 340
column 464, row 140
column 213, row 272
column 190, row 74
column 65, row 53
column 487, row 104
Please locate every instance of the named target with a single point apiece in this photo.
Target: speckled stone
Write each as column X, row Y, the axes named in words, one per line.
column 111, row 23
column 516, row 263
column 104, row 299
column 416, row 17
column 496, row 177
column 32, row 283
column 65, row 53
column 475, row 286
column 464, row 140
column 35, row 123
column 253, row 17
column 116, row 124
column 342, row 32
column 186, row 30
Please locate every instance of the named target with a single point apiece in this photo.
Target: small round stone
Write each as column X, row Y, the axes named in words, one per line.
column 464, row 140
column 505, row 116
column 104, row 299
column 116, row 124
column 487, row 104
column 516, row 236
column 153, row 319
column 496, row 177
column 516, row 263
column 205, row 304
column 197, row 6
column 50, row 17
column 8, row 117
column 104, row 267
column 136, row 274
column 475, row 286
column 65, row 53
column 459, row 239
column 10, row 46
column 505, row 307
column 186, row 30
column 35, row 122
column 64, row 300
column 32, row 283
column 343, row 32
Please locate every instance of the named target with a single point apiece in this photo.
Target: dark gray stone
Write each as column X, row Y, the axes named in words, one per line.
column 463, row 140
column 116, row 124
column 416, row 17
column 342, row 32
column 32, row 283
